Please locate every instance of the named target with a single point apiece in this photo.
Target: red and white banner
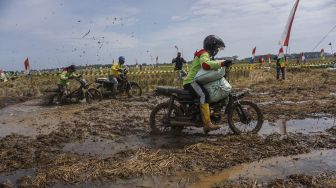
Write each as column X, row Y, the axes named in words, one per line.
column 254, row 51
column 281, row 53
column 269, row 58
column 286, row 34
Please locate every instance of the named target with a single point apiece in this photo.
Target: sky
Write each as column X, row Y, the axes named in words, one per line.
column 58, row 33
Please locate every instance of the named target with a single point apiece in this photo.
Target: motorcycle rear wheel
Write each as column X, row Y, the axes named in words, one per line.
column 245, row 117
column 160, row 119
column 135, row 89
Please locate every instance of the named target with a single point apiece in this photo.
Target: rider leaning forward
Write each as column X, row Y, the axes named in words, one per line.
column 205, row 59
column 117, row 69
column 68, row 73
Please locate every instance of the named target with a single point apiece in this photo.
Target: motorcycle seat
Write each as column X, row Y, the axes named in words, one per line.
column 171, row 90
column 102, row 80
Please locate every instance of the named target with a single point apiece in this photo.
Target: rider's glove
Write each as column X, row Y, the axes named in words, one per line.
column 226, row 63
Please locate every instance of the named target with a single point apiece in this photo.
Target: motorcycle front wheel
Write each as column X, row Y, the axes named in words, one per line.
column 245, row 117
column 95, row 94
column 160, row 119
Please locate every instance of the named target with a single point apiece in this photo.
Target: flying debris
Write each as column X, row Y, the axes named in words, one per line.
column 86, row 34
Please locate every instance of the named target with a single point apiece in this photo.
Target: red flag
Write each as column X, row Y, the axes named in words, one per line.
column 280, row 51
column 26, row 64
column 269, row 58
column 286, row 34
column 254, row 51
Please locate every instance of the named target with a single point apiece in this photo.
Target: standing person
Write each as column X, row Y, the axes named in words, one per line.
column 179, row 61
column 281, row 65
column 205, row 59
column 117, row 69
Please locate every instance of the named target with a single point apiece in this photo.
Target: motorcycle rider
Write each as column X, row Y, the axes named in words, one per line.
column 204, row 58
column 117, row 69
column 67, row 73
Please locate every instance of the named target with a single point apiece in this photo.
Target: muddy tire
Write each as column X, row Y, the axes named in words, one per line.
column 95, row 93
column 245, row 124
column 52, row 99
column 160, row 119
column 88, row 97
column 135, row 89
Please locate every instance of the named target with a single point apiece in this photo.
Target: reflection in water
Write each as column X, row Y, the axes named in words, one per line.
column 277, row 167
column 305, row 126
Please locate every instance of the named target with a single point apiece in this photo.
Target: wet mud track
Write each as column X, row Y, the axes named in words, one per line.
column 108, row 144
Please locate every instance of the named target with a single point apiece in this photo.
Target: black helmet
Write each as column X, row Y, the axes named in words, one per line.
column 72, row 68
column 121, row 59
column 212, row 44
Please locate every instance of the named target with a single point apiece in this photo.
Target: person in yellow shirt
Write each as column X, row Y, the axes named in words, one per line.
column 116, row 71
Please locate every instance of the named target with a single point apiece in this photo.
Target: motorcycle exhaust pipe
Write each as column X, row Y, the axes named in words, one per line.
column 184, row 123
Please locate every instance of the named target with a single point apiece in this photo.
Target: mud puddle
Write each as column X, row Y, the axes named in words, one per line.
column 27, row 107
column 277, row 167
column 145, row 181
column 28, row 119
column 107, row 147
column 16, row 175
column 305, row 126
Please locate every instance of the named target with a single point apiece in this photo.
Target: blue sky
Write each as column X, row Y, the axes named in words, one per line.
column 50, row 32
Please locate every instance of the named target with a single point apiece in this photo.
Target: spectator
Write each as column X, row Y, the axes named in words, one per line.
column 178, row 61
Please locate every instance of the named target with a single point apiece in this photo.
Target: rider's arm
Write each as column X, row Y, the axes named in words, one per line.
column 74, row 75
column 208, row 64
column 64, row 75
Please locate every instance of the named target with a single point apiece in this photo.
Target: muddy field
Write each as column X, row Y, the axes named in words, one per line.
column 108, row 143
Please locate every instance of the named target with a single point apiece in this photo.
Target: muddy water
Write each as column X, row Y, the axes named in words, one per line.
column 26, row 119
column 262, row 171
column 16, row 175
column 107, row 147
column 277, row 167
column 305, row 126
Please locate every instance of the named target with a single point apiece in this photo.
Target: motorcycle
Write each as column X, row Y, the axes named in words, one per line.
column 182, row 110
column 81, row 93
column 105, row 86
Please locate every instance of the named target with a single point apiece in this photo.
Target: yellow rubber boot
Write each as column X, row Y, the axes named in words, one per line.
column 205, row 113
